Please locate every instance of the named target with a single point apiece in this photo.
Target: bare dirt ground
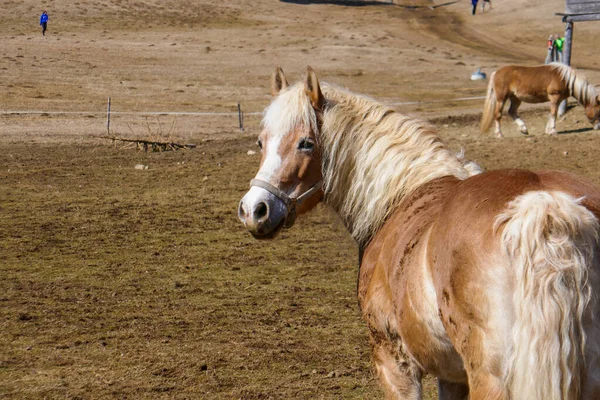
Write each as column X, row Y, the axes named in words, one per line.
column 125, row 283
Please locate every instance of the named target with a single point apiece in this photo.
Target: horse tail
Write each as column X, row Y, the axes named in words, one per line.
column 489, row 107
column 550, row 239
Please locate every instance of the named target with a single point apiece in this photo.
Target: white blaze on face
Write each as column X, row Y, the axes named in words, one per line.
column 272, row 161
column 277, row 126
column 268, row 171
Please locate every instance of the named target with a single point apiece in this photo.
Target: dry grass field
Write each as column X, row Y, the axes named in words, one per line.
column 122, row 283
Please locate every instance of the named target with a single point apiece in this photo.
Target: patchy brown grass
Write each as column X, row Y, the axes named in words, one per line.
column 126, row 283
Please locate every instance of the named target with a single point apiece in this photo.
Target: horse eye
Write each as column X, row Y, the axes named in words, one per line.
column 259, row 143
column 305, row 144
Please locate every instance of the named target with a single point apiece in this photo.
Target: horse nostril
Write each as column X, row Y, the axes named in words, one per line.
column 261, row 210
column 241, row 211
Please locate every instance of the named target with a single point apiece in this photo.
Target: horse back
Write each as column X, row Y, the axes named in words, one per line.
column 532, row 84
column 473, row 204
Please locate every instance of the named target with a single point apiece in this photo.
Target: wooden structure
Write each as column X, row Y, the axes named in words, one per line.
column 582, row 10
column 576, row 11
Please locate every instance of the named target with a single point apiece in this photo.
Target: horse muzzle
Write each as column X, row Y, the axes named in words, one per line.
column 266, row 209
column 263, row 214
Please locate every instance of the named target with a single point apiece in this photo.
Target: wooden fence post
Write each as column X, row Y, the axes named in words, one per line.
column 108, row 118
column 240, row 117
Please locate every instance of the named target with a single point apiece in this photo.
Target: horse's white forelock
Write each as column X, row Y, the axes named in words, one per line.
column 578, row 85
column 289, row 109
column 373, row 157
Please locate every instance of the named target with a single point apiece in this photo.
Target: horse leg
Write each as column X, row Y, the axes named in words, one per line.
column 591, row 385
column 551, row 125
column 512, row 111
column 487, row 387
column 485, row 377
column 591, row 382
column 399, row 375
column 478, row 337
column 498, row 117
column 452, row 391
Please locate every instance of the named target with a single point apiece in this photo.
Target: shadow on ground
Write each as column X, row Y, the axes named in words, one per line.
column 580, row 130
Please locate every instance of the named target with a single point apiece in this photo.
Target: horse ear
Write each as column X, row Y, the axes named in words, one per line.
column 313, row 90
column 278, row 81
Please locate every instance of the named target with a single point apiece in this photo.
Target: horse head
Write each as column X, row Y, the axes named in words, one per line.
column 593, row 112
column 288, row 182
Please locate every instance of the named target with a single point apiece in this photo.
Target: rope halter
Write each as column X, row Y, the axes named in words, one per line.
column 291, row 203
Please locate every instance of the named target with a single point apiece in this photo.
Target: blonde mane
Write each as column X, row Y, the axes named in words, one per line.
column 578, row 85
column 373, row 157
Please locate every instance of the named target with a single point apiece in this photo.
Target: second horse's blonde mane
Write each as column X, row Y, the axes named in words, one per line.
column 578, row 85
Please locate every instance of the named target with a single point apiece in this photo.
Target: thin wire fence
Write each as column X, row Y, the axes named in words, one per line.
column 207, row 113
column 186, row 126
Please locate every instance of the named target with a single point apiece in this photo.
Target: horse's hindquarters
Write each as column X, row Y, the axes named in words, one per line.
column 510, row 260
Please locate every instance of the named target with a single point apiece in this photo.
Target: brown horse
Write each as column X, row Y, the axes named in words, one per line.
column 554, row 82
column 489, row 281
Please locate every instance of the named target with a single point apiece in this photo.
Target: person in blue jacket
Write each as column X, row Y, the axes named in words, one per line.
column 44, row 22
column 474, row 4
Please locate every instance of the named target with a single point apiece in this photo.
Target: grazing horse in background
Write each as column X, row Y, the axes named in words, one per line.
column 489, row 281
column 553, row 82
